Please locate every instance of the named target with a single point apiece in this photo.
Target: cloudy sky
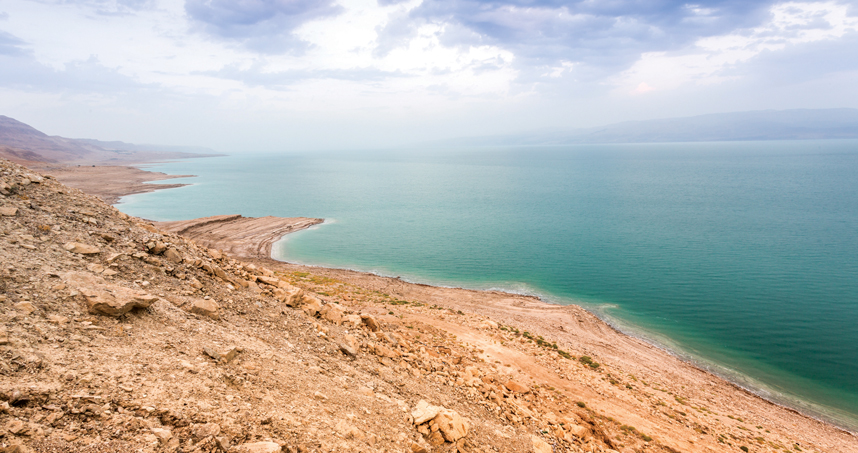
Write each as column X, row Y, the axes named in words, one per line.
column 300, row 74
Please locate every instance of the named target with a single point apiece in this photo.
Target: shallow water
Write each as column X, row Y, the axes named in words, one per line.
column 740, row 256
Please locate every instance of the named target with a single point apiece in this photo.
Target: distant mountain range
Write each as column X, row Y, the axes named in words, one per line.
column 799, row 124
column 22, row 143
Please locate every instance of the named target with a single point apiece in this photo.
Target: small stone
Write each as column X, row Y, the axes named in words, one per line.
column 95, row 268
column 8, row 211
column 319, row 396
column 83, row 249
column 205, row 307
column 417, row 448
column 4, row 336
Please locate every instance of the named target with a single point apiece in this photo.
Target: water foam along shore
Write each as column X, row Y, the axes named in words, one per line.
column 636, row 382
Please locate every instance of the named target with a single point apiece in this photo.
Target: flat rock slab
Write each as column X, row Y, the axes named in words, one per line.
column 106, row 298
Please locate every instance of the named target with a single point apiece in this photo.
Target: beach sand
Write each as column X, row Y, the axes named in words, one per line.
column 636, row 383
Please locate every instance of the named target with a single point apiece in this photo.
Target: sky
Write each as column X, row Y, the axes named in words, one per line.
column 284, row 75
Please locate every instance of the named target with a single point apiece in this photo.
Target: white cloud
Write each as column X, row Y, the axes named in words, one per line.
column 709, row 60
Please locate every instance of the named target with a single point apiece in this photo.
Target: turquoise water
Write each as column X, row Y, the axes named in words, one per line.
column 740, row 256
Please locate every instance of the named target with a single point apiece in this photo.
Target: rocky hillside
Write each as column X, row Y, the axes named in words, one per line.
column 118, row 337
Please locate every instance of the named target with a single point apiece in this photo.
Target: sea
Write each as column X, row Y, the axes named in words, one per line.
column 741, row 257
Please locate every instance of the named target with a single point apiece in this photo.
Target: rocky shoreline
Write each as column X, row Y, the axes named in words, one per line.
column 122, row 336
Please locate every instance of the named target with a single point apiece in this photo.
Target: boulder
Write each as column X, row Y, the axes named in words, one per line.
column 259, row 447
column 205, row 307
column 83, row 249
column 215, row 254
column 8, row 211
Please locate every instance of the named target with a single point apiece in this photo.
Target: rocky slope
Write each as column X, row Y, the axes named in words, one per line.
column 116, row 336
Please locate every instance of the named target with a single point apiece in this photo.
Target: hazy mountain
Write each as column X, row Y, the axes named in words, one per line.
column 21, row 142
column 800, row 124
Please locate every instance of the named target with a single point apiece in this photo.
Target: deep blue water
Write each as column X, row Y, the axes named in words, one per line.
column 742, row 256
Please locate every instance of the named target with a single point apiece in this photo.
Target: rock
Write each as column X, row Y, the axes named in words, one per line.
column 156, row 247
column 215, row 254
column 576, row 430
column 163, row 435
column 320, row 396
column 273, row 281
column 352, row 320
column 212, row 353
column 205, row 307
column 173, row 255
column 539, row 445
column 348, row 350
column 17, row 448
column 291, row 296
column 333, row 313
column 207, row 430
column 417, row 448
column 423, row 412
column 57, row 319
column 370, row 322
column 348, row 431
column 311, row 305
column 25, row 307
column 217, row 271
column 8, row 211
column 384, row 351
column 515, row 387
column 452, row 425
column 115, row 300
column 4, row 336
column 95, row 268
column 83, row 249
column 259, row 447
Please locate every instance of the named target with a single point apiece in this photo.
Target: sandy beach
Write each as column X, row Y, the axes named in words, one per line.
column 636, row 383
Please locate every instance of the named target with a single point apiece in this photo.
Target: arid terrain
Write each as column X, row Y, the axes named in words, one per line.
column 121, row 336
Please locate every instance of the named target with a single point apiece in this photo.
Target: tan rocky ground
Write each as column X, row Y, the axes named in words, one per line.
column 116, row 336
